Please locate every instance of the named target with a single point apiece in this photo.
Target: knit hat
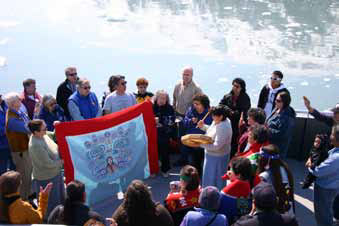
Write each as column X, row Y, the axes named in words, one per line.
column 264, row 195
column 209, row 198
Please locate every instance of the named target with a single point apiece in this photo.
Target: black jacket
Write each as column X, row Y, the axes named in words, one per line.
column 271, row 218
column 81, row 214
column 166, row 117
column 263, row 97
column 63, row 93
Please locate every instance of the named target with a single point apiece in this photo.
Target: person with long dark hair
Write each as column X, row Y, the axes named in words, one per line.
column 138, row 208
column 281, row 123
column 272, row 169
column 237, row 102
column 74, row 211
column 318, row 153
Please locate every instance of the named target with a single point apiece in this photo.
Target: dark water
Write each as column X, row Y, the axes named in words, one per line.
column 221, row 39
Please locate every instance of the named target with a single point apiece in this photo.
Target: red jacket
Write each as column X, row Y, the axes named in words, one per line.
column 176, row 200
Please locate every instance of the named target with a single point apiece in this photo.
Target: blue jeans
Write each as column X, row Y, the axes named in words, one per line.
column 323, row 201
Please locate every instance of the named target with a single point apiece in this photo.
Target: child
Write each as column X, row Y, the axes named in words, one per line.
column 318, row 154
column 142, row 93
column 240, row 177
column 13, row 208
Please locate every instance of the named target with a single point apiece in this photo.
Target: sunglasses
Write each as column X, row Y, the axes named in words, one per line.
column 86, row 87
column 73, row 74
column 275, row 79
column 123, row 83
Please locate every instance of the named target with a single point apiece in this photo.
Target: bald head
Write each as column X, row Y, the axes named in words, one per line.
column 187, row 74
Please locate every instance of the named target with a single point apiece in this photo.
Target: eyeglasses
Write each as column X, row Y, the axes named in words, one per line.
column 86, row 87
column 278, row 100
column 73, row 74
column 275, row 79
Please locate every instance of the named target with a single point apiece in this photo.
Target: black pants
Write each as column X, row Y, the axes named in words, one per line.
column 198, row 159
column 163, row 151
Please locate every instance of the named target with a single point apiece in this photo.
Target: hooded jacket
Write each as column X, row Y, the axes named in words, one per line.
column 268, row 93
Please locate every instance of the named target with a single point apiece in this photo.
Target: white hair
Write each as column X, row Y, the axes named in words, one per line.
column 11, row 97
column 161, row 92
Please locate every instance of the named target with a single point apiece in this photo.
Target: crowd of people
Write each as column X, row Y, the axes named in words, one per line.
column 248, row 152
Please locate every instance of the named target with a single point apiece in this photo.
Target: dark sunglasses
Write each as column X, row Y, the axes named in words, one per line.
column 275, row 79
column 73, row 74
column 123, row 83
column 86, row 87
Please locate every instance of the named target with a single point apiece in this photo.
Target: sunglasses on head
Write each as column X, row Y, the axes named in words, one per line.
column 275, row 79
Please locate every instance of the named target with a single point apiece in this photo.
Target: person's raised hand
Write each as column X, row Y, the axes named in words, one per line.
column 47, row 189
column 200, row 124
column 307, row 104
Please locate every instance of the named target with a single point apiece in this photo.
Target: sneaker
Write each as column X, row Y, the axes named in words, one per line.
column 165, row 175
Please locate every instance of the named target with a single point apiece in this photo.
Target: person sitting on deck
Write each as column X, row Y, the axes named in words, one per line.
column 13, row 209
column 255, row 116
column 264, row 209
column 207, row 214
column 188, row 192
column 74, row 211
column 241, row 179
column 138, row 208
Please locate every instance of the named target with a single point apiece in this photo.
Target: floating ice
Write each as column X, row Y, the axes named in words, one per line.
column 327, row 79
column 266, row 13
column 293, row 25
column 228, row 7
column 327, row 86
column 336, row 75
column 3, row 61
column 304, row 83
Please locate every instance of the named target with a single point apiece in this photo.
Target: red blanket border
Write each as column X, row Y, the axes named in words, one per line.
column 92, row 125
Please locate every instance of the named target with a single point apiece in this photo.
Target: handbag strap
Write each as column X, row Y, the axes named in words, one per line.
column 211, row 221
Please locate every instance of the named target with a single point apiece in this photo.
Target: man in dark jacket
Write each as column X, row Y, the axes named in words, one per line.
column 66, row 89
column 264, row 211
column 236, row 102
column 270, row 91
column 328, row 120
